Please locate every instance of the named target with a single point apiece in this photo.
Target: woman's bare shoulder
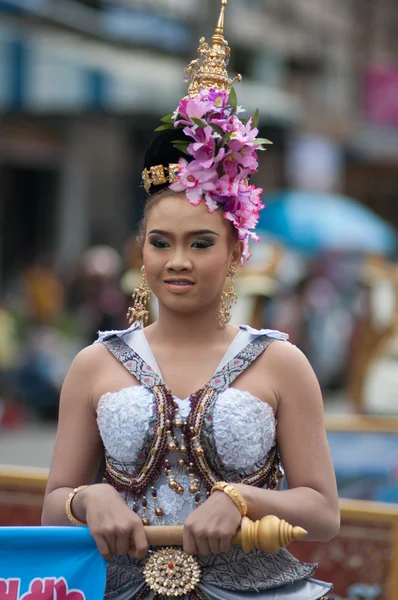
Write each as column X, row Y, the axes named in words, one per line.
column 283, row 352
column 288, row 365
column 89, row 359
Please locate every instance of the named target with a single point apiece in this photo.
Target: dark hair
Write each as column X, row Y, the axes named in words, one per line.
column 160, row 152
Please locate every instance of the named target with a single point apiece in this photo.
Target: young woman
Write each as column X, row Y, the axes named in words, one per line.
column 191, row 400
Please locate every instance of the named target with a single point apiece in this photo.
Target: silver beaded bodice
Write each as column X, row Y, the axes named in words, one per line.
column 125, row 419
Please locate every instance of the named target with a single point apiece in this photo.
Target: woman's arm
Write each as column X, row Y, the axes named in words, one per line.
column 77, row 456
column 78, row 448
column 312, row 499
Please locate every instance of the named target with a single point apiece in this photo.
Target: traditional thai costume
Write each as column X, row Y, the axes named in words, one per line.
column 164, row 454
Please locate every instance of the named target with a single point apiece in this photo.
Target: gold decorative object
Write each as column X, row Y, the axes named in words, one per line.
column 233, row 494
column 210, row 69
column 171, row 572
column 138, row 312
column 228, row 299
column 68, row 507
column 157, row 175
column 270, row 534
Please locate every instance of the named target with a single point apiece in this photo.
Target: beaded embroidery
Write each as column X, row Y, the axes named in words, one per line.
column 196, row 435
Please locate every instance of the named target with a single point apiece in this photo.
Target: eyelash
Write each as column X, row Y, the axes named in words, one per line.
column 200, row 244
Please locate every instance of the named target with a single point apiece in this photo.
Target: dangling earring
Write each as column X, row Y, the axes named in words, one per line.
column 138, row 312
column 228, row 299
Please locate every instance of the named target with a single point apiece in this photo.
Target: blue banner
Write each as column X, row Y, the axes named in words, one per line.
column 50, row 563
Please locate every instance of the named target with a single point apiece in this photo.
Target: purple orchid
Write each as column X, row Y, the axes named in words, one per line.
column 190, row 108
column 204, row 148
column 194, row 180
column 218, row 98
column 221, row 163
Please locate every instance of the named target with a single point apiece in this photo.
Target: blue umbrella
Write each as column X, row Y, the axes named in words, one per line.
column 313, row 222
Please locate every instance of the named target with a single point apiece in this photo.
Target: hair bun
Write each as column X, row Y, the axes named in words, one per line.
column 161, row 150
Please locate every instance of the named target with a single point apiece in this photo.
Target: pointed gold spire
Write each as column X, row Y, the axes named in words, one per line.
column 210, row 69
column 220, row 25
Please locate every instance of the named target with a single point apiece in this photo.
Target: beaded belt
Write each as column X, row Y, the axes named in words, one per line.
column 172, row 572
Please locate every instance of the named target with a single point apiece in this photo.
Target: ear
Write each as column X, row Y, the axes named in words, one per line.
column 236, row 255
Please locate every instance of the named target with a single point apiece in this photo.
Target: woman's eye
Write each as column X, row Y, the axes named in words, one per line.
column 202, row 244
column 159, row 243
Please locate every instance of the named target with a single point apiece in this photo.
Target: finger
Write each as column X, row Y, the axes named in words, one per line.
column 202, row 544
column 140, row 542
column 111, row 541
column 123, row 543
column 225, row 544
column 214, row 545
column 132, row 550
column 188, row 542
column 103, row 547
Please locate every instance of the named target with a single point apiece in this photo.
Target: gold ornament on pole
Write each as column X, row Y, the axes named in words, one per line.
column 210, row 69
column 270, row 534
column 173, row 572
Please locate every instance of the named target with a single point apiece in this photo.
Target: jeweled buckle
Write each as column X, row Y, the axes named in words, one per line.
column 171, row 572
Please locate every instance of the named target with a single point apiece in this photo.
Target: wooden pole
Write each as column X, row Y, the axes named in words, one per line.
column 269, row 535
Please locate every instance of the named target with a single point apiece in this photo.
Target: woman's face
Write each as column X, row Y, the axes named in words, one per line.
column 187, row 253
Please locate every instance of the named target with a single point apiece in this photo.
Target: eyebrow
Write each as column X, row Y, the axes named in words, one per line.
column 196, row 232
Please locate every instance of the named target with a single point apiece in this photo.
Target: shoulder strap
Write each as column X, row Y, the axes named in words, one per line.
column 132, row 361
column 225, row 376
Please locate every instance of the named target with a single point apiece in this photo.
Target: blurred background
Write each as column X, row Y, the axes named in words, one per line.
column 82, row 87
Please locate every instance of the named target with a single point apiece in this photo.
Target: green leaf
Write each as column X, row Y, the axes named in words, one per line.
column 181, row 145
column 199, row 123
column 167, row 118
column 217, row 129
column 263, row 141
column 181, row 149
column 244, row 121
column 226, row 138
column 181, row 142
column 164, row 127
column 256, row 118
column 233, row 99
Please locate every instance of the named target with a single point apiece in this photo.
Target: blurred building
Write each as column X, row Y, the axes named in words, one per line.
column 82, row 84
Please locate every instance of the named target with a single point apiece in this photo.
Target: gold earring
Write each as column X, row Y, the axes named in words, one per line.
column 228, row 299
column 138, row 312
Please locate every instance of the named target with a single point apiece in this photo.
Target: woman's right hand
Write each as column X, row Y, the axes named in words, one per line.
column 114, row 526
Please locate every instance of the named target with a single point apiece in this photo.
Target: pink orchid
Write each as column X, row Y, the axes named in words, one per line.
column 230, row 164
column 238, row 223
column 226, row 190
column 194, row 181
column 191, row 108
column 211, row 202
column 222, row 123
column 247, row 158
column 217, row 174
column 218, row 98
column 246, row 254
column 242, row 134
column 203, row 150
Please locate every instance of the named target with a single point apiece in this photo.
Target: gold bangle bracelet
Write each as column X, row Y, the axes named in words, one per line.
column 233, row 494
column 72, row 519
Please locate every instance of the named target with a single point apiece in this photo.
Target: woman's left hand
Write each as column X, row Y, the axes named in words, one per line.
column 210, row 528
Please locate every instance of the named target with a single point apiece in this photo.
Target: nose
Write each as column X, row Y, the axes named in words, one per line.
column 179, row 261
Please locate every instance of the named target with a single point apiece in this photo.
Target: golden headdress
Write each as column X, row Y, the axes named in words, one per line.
column 204, row 148
column 210, row 69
